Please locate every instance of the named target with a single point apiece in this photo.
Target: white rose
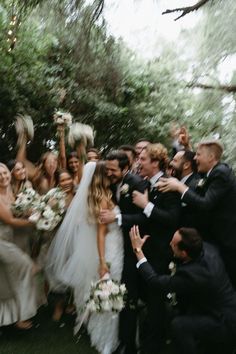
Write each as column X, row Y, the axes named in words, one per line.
column 118, row 304
column 43, row 224
column 104, row 295
column 115, row 289
column 106, row 305
column 122, row 288
column 48, row 213
column 97, row 293
column 124, row 189
column 91, row 306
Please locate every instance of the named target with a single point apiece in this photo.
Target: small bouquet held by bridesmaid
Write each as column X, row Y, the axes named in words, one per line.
column 50, row 210
column 106, row 295
column 44, row 211
column 26, row 202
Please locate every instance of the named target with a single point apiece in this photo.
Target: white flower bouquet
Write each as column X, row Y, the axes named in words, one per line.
column 62, row 118
column 26, row 202
column 106, row 295
column 50, row 210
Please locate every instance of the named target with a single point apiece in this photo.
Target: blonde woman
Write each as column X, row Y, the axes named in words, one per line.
column 85, row 250
column 17, row 290
column 19, row 182
column 44, row 176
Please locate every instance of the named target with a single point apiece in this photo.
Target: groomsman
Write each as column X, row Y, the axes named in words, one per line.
column 206, row 299
column 184, row 168
column 123, row 183
column 160, row 219
column 214, row 201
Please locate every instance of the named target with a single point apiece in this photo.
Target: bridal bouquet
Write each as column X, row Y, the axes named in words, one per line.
column 62, row 118
column 50, row 210
column 106, row 295
column 26, row 202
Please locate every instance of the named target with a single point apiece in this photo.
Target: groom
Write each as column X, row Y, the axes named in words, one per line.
column 123, row 183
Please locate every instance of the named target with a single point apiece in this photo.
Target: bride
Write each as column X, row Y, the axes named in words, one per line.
column 84, row 250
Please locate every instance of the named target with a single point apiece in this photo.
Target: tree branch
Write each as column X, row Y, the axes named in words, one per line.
column 186, row 10
column 226, row 88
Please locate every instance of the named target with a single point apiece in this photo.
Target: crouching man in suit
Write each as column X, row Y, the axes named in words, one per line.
column 205, row 296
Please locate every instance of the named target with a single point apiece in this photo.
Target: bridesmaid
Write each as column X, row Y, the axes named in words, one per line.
column 17, row 291
column 19, row 182
column 65, row 182
column 75, row 167
column 44, row 175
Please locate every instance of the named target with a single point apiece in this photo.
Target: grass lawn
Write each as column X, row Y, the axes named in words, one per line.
column 46, row 337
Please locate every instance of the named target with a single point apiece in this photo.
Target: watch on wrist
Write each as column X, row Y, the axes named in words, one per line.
column 137, row 250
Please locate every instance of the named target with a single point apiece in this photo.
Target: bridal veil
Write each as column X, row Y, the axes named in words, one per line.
column 73, row 258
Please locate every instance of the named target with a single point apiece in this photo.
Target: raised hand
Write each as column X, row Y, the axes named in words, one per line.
column 183, row 138
column 136, row 240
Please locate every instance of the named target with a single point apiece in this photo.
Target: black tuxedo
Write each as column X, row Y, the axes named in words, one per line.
column 128, row 317
column 206, row 299
column 160, row 225
column 214, row 201
column 188, row 212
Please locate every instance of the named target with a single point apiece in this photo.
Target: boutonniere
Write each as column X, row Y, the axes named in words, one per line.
column 172, row 296
column 172, row 268
column 201, row 182
column 124, row 189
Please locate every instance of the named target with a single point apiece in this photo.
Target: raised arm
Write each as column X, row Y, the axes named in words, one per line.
column 62, row 148
column 22, row 156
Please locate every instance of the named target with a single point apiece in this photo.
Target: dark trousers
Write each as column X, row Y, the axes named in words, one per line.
column 128, row 316
column 188, row 332
column 152, row 332
column 229, row 259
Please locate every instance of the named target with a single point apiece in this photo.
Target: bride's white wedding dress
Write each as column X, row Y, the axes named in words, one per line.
column 73, row 261
column 103, row 328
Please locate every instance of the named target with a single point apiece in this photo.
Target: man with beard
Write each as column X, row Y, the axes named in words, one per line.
column 123, row 183
column 184, row 168
column 205, row 298
column 214, row 201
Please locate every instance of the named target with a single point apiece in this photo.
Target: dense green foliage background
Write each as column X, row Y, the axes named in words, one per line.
column 65, row 59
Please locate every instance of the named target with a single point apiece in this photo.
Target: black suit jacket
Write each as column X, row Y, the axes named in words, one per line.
column 215, row 206
column 161, row 225
column 188, row 212
column 131, row 183
column 202, row 286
